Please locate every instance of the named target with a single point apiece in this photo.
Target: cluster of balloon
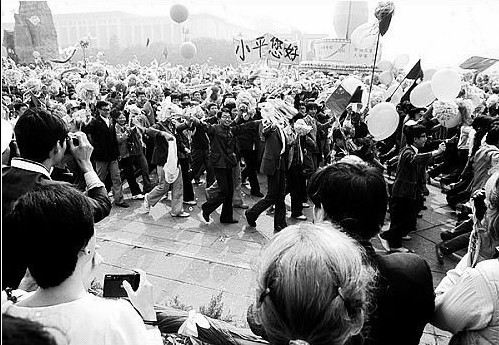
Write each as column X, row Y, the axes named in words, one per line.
column 389, row 69
column 366, row 35
column 382, row 120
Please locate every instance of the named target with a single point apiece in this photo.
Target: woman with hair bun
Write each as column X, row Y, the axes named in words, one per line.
column 313, row 287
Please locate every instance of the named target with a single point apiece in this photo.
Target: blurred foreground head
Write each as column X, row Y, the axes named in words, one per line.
column 312, row 286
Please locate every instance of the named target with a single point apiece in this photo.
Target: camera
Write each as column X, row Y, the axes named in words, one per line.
column 479, row 202
column 113, row 284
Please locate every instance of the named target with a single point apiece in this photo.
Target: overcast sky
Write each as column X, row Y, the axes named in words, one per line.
column 441, row 32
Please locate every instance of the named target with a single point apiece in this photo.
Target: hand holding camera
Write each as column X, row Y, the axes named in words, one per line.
column 143, row 298
column 81, row 149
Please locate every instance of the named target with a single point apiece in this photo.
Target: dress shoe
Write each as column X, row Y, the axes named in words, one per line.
column 181, row 215
column 305, row 205
column 302, row 217
column 439, row 254
column 191, row 202
column 138, row 196
column 229, row 221
column 251, row 221
column 123, row 204
column 384, row 243
column 278, row 228
column 258, row 194
column 406, row 238
column 243, row 206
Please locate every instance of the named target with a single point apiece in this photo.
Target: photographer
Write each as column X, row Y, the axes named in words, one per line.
column 62, row 263
column 42, row 139
column 467, row 302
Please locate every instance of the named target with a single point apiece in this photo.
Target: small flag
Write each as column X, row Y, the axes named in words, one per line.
column 416, row 72
column 407, row 94
column 148, row 41
column 478, row 63
column 338, row 100
column 165, row 52
column 357, row 96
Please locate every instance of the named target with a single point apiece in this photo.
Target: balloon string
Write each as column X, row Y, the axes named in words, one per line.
column 372, row 74
column 390, row 98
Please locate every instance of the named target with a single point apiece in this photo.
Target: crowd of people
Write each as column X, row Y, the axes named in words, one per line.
column 78, row 133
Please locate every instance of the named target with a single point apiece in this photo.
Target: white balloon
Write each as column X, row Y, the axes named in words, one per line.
column 385, row 65
column 351, row 83
column 401, row 60
column 188, row 50
column 428, row 74
column 179, row 13
column 382, row 121
column 386, row 77
column 365, row 35
column 422, row 95
column 446, row 84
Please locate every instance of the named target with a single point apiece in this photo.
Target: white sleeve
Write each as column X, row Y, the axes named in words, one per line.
column 129, row 329
column 463, row 306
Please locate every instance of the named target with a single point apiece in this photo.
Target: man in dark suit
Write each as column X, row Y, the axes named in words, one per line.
column 42, row 139
column 403, row 202
column 102, row 135
column 274, row 163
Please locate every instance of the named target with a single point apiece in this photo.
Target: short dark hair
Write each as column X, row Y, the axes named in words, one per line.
column 413, row 132
column 19, row 105
column 101, row 104
column 223, row 110
column 20, row 331
column 55, row 222
column 174, row 96
column 211, row 105
column 311, row 105
column 493, row 135
column 37, row 132
column 354, row 196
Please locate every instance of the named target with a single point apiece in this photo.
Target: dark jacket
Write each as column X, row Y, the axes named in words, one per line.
column 403, row 301
column 15, row 183
column 249, row 139
column 223, row 141
column 103, row 139
column 160, row 153
column 409, row 168
column 271, row 159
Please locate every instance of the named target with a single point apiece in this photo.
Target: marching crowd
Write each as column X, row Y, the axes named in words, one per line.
column 78, row 133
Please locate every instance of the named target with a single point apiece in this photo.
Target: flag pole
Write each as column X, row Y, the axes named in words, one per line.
column 372, row 73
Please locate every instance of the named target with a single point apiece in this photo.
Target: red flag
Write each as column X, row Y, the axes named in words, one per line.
column 416, row 72
column 338, row 100
column 478, row 63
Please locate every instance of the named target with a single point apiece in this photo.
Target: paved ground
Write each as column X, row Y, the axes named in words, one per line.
column 187, row 258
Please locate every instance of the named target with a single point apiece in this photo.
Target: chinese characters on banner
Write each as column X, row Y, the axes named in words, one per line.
column 267, row 47
column 343, row 51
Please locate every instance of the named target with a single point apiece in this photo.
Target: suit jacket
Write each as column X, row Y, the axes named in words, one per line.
column 17, row 182
column 403, row 301
column 103, row 139
column 160, row 153
column 271, row 159
column 223, row 141
column 409, row 170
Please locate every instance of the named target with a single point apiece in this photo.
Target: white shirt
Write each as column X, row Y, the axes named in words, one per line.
column 91, row 320
column 106, row 120
column 91, row 178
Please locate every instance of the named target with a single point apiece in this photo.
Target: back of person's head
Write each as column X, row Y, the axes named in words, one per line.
column 37, row 132
column 312, row 286
column 55, row 222
column 413, row 132
column 493, row 134
column 20, row 331
column 481, row 122
column 354, row 196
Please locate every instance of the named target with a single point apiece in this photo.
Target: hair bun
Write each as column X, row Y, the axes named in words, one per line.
column 298, row 342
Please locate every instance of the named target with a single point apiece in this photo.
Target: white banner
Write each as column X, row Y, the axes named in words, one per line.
column 344, row 51
column 267, row 47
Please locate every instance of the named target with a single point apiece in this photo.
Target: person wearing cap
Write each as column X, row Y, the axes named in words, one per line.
column 403, row 202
